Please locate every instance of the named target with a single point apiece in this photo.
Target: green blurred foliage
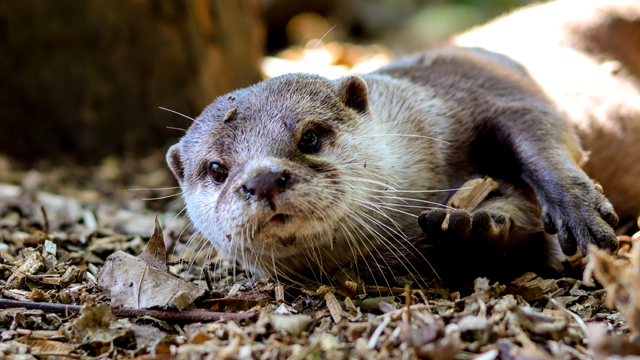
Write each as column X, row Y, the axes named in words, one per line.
column 435, row 21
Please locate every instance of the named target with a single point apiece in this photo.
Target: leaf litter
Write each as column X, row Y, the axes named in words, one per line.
column 79, row 279
column 144, row 281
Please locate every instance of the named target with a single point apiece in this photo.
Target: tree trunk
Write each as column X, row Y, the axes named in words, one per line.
column 84, row 79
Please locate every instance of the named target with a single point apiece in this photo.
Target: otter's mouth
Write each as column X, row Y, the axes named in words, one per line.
column 280, row 219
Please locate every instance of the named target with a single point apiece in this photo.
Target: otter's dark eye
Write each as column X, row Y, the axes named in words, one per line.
column 309, row 143
column 218, row 173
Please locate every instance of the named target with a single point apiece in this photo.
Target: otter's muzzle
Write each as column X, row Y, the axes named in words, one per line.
column 267, row 185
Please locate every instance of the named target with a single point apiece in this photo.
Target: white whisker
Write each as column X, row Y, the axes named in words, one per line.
column 154, row 189
column 408, row 135
column 425, row 191
column 176, row 128
column 177, row 113
column 316, row 46
column 161, row 197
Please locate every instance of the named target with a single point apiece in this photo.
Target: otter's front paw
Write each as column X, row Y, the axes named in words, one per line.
column 581, row 215
column 482, row 225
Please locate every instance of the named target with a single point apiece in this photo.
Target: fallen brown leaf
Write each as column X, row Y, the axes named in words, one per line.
column 131, row 282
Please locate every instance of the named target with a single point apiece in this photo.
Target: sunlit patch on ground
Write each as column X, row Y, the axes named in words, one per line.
column 332, row 60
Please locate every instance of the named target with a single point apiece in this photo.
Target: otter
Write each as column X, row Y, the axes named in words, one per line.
column 302, row 176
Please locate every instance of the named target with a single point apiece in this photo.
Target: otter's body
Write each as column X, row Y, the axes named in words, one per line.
column 300, row 175
column 385, row 146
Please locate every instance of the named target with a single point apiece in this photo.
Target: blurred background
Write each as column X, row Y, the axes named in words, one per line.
column 82, row 82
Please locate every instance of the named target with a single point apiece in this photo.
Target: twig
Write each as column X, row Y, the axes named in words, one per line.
column 575, row 316
column 378, row 290
column 207, row 277
column 45, row 354
column 378, row 332
column 191, row 315
column 407, row 303
column 46, row 219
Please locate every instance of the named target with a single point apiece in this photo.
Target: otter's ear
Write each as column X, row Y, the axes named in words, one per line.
column 353, row 92
column 174, row 159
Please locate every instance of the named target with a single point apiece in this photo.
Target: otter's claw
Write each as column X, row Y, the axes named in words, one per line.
column 580, row 215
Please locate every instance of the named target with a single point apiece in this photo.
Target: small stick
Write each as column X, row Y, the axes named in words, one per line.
column 207, row 276
column 46, row 219
column 379, row 290
column 190, row 315
column 407, row 302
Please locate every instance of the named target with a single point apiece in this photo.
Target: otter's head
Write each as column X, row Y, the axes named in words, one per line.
column 271, row 173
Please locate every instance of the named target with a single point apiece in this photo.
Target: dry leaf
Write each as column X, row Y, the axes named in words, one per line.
column 48, row 347
column 143, row 282
column 199, row 338
column 93, row 326
column 603, row 343
column 155, row 253
column 131, row 282
column 147, row 336
column 621, row 281
column 72, row 275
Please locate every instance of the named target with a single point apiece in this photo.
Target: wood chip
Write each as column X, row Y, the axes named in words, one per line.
column 279, row 290
column 532, row 287
column 470, row 195
column 334, row 307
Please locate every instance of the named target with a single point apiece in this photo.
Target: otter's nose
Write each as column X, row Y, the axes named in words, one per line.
column 267, row 185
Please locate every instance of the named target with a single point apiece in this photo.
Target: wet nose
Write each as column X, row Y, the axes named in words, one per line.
column 267, row 185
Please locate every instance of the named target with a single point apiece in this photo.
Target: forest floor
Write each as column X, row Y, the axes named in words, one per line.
column 83, row 275
column 59, row 226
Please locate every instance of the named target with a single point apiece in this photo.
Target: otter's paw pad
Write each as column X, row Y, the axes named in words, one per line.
column 490, row 225
column 430, row 222
column 434, row 223
column 481, row 226
column 460, row 223
column 580, row 216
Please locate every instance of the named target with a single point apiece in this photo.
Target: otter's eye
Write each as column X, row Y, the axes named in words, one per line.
column 218, row 173
column 309, row 143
